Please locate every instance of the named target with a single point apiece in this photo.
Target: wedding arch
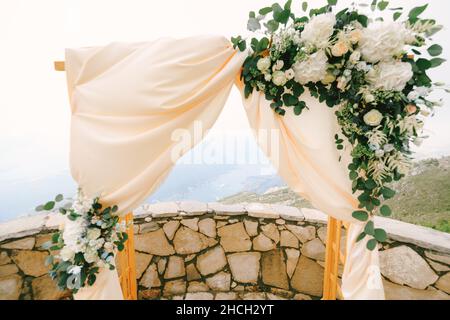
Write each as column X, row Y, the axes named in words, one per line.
column 127, row 98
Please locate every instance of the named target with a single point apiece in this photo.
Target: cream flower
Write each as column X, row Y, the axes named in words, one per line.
column 381, row 41
column 66, row 254
column 329, row 78
column 318, row 30
column 290, row 74
column 390, row 75
column 354, row 36
column 263, row 64
column 93, row 233
column 355, row 56
column 279, row 78
column 314, row 69
column 373, row 118
column 279, row 64
column 339, row 49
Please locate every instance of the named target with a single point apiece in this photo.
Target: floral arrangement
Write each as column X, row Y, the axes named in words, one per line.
column 372, row 70
column 91, row 236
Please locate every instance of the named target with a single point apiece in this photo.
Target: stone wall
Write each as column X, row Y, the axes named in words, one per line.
column 192, row 250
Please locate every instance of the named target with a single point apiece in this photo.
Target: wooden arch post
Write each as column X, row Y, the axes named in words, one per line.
column 126, row 263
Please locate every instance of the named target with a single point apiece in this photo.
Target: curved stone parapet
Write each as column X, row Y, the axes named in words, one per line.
column 194, row 250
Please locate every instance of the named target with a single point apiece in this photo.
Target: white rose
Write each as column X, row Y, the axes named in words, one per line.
column 318, row 30
column 91, row 256
column 373, row 118
column 263, row 64
column 93, row 233
column 339, row 49
column 279, row 64
column 369, row 98
column 342, row 83
column 355, row 56
column 390, row 75
column 329, row 78
column 109, row 247
column 66, row 254
column 290, row 74
column 354, row 36
column 268, row 77
column 382, row 40
column 314, row 69
column 279, row 78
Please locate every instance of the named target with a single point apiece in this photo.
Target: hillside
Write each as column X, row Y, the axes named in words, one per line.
column 423, row 197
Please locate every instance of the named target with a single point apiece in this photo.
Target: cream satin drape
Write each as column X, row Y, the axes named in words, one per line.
column 127, row 101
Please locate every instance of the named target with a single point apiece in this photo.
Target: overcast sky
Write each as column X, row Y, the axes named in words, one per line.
column 34, row 118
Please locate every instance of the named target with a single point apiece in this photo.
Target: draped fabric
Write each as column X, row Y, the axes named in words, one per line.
column 131, row 103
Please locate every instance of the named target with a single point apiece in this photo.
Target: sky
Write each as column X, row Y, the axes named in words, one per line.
column 34, row 109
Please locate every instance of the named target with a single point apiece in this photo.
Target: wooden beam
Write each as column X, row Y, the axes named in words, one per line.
column 332, row 257
column 60, row 66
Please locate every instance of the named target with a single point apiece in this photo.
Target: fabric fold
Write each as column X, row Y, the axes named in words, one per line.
column 303, row 151
column 136, row 108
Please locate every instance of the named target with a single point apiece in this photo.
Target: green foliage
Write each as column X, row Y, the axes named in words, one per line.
column 97, row 218
column 375, row 164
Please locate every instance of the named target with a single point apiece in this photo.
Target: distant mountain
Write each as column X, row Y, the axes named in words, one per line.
column 423, row 197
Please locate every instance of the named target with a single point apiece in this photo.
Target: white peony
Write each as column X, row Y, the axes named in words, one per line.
column 93, row 233
column 339, row 49
column 314, row 69
column 263, row 64
column 109, row 247
column 279, row 64
column 91, row 256
column 355, row 56
column 318, row 30
column 290, row 74
column 382, row 40
column 66, row 254
column 279, row 78
column 373, row 118
column 390, row 75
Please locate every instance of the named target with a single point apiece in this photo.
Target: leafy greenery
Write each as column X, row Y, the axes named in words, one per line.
column 99, row 236
column 380, row 150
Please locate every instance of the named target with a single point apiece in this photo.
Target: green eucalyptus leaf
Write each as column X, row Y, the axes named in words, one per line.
column 436, row 62
column 387, row 193
column 59, row 198
column 380, row 235
column 385, row 210
column 361, row 236
column 360, row 215
column 332, row 2
column 287, row 5
column 371, row 244
column 265, row 11
column 304, row 6
column 49, row 205
column 434, row 50
column 272, row 26
column 383, row 5
column 396, row 15
column 369, row 228
column 417, row 11
column 253, row 25
column 39, row 208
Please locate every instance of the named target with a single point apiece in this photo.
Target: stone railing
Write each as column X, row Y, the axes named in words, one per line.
column 192, row 250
